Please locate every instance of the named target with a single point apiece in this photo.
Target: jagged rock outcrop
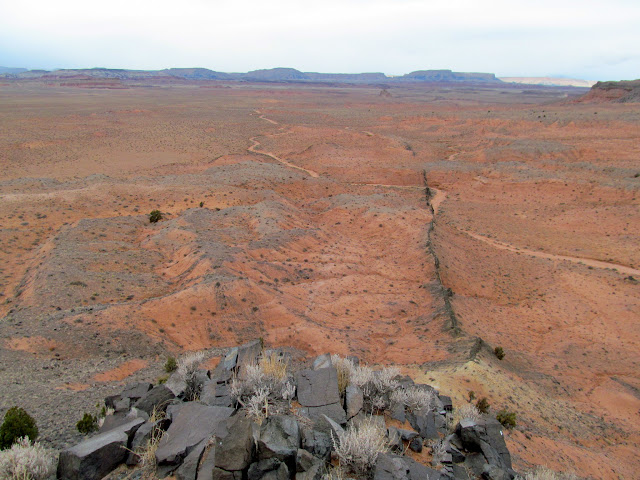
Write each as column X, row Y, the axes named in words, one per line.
column 213, row 442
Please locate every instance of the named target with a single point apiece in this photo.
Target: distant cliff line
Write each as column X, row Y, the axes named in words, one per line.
column 267, row 75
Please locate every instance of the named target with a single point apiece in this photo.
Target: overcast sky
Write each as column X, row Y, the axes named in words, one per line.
column 588, row 39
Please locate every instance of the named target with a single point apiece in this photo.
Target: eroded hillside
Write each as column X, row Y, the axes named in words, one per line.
column 299, row 215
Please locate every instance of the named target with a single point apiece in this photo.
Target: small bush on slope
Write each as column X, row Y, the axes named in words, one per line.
column 88, row 424
column 17, row 424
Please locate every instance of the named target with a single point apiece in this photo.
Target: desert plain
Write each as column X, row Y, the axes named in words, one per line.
column 419, row 226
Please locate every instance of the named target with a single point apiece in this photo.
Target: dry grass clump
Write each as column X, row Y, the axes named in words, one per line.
column 543, row 473
column 438, row 451
column 377, row 385
column 274, row 366
column 188, row 371
column 27, row 461
column 466, row 412
column 414, row 398
column 147, row 453
column 265, row 388
column 344, row 366
column 359, row 445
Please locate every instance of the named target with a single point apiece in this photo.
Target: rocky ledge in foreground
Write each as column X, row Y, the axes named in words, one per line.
column 253, row 418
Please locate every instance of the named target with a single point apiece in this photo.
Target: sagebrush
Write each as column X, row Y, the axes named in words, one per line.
column 359, row 445
column 27, row 461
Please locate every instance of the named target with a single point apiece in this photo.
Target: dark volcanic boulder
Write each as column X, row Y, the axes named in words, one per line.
column 317, row 388
column 93, row 458
column 234, row 452
column 159, row 397
column 485, row 436
column 193, row 423
column 279, row 438
column 394, row 467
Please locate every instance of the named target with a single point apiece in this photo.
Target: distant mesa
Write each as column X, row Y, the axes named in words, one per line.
column 447, row 76
column 280, row 75
column 11, row 70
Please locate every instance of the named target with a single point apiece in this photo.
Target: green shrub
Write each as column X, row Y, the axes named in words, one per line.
column 472, row 395
column 506, row 418
column 170, row 365
column 88, row 424
column 17, row 423
column 483, row 405
column 499, row 352
column 155, row 216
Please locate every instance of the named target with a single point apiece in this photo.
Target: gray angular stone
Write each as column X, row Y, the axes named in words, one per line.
column 176, row 384
column 230, row 360
column 397, row 412
column 281, row 473
column 142, row 436
column 416, row 444
column 493, row 472
column 189, row 468
column 94, row 458
column 425, row 424
column 257, row 470
column 487, row 437
column 337, row 430
column 322, row 361
column 248, row 355
column 315, row 472
column 122, row 405
column 193, row 423
column 447, row 404
column 127, row 424
column 318, row 414
column 207, row 462
column 407, row 435
column 354, row 400
column 474, row 463
column 459, row 472
column 159, row 397
column 456, row 455
column 317, row 443
column 279, row 438
column 317, row 388
column 135, row 391
column 304, row 460
column 214, row 393
column 394, row 467
column 219, row 474
column 235, row 450
column 395, row 441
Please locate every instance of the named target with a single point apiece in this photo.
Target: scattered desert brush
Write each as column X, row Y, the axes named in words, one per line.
column 187, row 370
column 438, row 451
column 359, row 445
column 377, row 385
column 465, row 412
column 415, row 398
column 27, row 461
column 544, row 473
column 264, row 389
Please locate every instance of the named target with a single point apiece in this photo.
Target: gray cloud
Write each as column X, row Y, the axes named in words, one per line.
column 574, row 38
